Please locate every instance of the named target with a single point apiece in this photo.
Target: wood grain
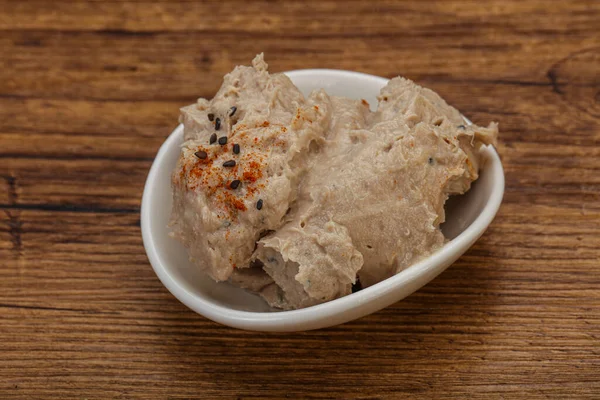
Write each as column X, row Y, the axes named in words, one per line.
column 90, row 89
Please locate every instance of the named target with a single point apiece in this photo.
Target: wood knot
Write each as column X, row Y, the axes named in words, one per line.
column 576, row 79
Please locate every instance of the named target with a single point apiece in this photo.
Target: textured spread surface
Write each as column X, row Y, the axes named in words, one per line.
column 321, row 193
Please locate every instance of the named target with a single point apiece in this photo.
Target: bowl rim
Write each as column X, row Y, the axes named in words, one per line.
column 314, row 317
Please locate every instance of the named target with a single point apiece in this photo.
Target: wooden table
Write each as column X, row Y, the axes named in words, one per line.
column 88, row 92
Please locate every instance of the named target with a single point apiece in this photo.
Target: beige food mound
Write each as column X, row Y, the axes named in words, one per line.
column 309, row 195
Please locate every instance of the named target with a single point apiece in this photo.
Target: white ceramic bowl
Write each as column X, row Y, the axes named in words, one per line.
column 468, row 217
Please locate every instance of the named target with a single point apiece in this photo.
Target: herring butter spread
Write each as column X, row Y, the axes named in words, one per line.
column 300, row 199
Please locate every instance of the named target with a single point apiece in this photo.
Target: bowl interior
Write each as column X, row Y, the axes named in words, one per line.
column 461, row 211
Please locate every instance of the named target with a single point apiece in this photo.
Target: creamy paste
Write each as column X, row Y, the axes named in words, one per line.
column 300, row 199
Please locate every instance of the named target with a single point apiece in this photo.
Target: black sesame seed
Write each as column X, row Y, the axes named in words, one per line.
column 213, row 138
column 462, row 127
column 235, row 184
column 232, row 111
column 211, row 117
column 218, row 124
column 201, row 154
column 223, row 140
column 229, row 163
column 236, row 149
column 430, row 161
column 259, row 204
